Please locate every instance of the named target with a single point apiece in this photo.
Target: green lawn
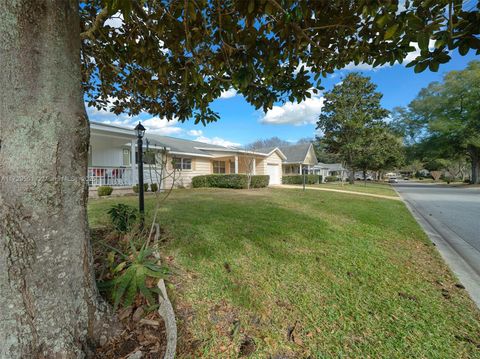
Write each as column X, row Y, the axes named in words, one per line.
column 370, row 187
column 294, row 274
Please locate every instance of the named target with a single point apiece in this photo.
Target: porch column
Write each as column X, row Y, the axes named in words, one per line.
column 132, row 161
column 254, row 163
column 236, row 164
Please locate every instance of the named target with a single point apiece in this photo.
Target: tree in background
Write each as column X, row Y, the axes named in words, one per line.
column 445, row 119
column 170, row 59
column 268, row 142
column 322, row 154
column 381, row 149
column 350, row 113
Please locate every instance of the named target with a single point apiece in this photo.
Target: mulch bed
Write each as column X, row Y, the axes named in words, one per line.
column 143, row 335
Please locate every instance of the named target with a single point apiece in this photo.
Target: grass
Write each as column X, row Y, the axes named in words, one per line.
column 282, row 273
column 370, row 187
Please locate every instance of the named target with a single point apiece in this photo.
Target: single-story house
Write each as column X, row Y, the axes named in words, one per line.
column 331, row 170
column 299, row 158
column 112, row 159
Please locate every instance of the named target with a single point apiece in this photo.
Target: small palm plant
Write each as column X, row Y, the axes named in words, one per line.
column 123, row 217
column 131, row 274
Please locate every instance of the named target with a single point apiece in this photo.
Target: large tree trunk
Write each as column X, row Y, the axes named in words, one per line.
column 49, row 305
column 475, row 158
column 351, row 176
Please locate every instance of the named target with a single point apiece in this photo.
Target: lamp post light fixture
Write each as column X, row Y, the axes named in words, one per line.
column 140, row 132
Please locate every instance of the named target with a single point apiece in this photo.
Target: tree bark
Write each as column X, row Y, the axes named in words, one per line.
column 351, row 176
column 474, row 153
column 49, row 305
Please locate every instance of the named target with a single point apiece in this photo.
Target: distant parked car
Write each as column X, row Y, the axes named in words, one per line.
column 392, row 180
column 406, row 178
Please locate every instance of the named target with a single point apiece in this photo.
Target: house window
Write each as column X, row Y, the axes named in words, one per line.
column 149, row 157
column 181, row 163
column 218, row 166
column 126, row 157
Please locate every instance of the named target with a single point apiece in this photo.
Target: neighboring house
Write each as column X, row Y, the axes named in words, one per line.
column 112, row 159
column 298, row 157
column 331, row 170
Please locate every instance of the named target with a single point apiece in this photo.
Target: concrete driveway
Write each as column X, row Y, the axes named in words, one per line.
column 451, row 218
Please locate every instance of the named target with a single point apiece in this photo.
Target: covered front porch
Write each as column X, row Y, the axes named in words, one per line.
column 237, row 164
column 297, row 168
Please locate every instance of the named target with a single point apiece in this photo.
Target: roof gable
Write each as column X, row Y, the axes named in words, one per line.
column 297, row 153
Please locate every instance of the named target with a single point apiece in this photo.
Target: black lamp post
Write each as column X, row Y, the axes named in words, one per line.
column 140, row 132
column 304, row 173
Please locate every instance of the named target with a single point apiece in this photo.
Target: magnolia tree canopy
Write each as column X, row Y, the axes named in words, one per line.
column 173, row 58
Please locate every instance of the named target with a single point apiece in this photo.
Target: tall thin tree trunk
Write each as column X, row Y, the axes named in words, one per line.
column 475, row 158
column 49, row 306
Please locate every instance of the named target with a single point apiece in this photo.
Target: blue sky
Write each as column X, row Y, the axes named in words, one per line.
column 241, row 124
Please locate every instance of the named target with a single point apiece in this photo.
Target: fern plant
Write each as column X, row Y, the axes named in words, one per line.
column 131, row 274
column 123, row 217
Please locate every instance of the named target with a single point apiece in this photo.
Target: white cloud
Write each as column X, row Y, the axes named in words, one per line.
column 161, row 126
column 228, row 93
column 217, row 141
column 294, row 113
column 410, row 57
column 105, row 116
column 195, row 132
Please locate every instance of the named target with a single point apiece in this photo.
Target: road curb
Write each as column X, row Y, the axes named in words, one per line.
column 453, row 249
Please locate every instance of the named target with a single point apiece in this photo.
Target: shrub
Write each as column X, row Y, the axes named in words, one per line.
column 104, row 191
column 153, row 187
column 298, row 179
column 122, row 216
column 229, row 181
column 199, row 181
column 259, row 181
column 331, row 179
column 132, row 275
column 145, row 188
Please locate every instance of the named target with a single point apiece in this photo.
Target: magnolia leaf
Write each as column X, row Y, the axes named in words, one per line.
column 421, row 66
column 390, row 32
column 433, row 65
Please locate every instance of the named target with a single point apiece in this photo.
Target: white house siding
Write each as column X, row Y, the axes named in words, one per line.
column 310, row 158
column 273, row 159
column 200, row 166
column 260, row 166
column 107, row 151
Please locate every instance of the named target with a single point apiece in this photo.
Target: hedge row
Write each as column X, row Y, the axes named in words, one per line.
column 230, row 181
column 298, row 179
column 332, row 179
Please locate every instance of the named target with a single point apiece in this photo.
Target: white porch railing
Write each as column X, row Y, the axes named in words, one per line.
column 109, row 176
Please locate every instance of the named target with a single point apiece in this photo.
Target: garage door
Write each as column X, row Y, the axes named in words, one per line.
column 273, row 170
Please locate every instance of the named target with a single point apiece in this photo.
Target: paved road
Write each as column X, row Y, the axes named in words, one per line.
column 451, row 218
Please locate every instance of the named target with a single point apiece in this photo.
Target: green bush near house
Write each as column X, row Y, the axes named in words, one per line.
column 104, row 191
column 154, row 187
column 238, row 181
column 259, row 181
column 298, row 179
column 145, row 188
column 331, row 179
